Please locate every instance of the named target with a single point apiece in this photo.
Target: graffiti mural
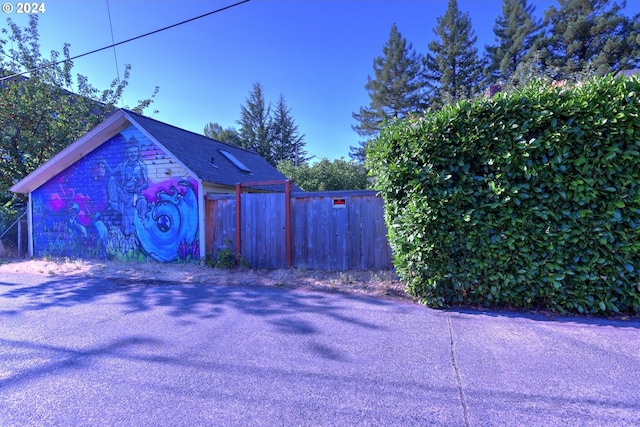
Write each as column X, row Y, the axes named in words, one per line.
column 126, row 200
column 167, row 227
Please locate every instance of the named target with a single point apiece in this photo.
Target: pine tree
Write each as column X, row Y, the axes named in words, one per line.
column 255, row 124
column 287, row 143
column 453, row 69
column 272, row 133
column 589, row 34
column 515, row 32
column 394, row 92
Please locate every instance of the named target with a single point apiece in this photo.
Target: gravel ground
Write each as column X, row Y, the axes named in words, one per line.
column 383, row 284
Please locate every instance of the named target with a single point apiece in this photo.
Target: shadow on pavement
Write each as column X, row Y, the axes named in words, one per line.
column 204, row 301
column 28, row 360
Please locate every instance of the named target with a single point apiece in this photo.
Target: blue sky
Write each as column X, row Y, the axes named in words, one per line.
column 317, row 53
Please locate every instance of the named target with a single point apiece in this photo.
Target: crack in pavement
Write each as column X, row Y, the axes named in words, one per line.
column 454, row 362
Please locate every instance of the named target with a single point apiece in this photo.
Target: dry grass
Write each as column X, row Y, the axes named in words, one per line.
column 378, row 284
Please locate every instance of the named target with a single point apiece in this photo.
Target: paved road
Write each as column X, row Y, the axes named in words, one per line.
column 94, row 352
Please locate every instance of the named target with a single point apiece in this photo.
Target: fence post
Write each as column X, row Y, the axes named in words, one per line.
column 287, row 219
column 238, row 233
column 20, row 237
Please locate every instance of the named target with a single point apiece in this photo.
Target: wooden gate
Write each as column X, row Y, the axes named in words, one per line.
column 341, row 230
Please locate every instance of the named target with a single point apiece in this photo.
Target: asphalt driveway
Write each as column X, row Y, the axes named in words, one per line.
column 86, row 351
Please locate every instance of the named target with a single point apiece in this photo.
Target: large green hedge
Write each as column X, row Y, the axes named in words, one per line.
column 528, row 200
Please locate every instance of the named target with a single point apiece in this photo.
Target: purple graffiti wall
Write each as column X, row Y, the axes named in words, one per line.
column 126, row 200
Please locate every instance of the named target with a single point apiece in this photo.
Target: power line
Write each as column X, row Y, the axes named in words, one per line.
column 115, row 55
column 125, row 41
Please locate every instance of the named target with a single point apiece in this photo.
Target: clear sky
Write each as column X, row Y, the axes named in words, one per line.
column 317, row 53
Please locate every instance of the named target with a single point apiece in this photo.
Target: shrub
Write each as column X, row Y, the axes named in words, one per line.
column 528, row 199
column 225, row 258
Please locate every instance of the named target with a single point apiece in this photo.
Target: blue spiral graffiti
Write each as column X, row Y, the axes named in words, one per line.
column 162, row 227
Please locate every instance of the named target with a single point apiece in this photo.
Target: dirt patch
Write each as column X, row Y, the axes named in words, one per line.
column 370, row 283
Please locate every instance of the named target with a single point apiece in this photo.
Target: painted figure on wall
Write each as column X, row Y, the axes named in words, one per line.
column 126, row 183
column 134, row 211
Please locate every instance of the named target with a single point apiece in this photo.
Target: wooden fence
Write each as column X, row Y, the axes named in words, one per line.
column 342, row 230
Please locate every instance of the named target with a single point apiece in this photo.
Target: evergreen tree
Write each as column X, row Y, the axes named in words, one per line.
column 589, row 34
column 515, row 31
column 255, row 124
column 453, row 69
column 272, row 133
column 287, row 143
column 394, row 92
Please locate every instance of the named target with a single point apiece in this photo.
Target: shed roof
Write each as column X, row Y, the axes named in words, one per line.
column 628, row 73
column 200, row 155
column 204, row 156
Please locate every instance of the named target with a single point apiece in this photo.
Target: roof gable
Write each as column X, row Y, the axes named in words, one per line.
column 204, row 156
column 201, row 156
column 97, row 136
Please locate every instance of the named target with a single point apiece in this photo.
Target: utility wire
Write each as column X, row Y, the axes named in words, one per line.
column 125, row 41
column 115, row 55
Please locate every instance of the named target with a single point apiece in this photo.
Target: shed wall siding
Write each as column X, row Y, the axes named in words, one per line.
column 125, row 200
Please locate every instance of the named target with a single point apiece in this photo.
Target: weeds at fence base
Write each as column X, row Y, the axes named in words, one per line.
column 225, row 259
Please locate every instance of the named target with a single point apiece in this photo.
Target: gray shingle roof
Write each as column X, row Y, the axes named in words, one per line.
column 197, row 151
column 628, row 73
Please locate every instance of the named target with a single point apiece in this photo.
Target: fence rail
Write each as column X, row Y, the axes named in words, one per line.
column 329, row 230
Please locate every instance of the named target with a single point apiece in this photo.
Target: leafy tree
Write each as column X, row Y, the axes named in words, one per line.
column 216, row 131
column 515, row 32
column 288, row 143
column 453, row 69
column 43, row 113
column 327, row 175
column 394, row 92
column 593, row 34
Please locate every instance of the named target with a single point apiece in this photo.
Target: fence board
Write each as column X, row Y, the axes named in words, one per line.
column 220, row 224
column 323, row 237
column 355, row 236
column 263, row 230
